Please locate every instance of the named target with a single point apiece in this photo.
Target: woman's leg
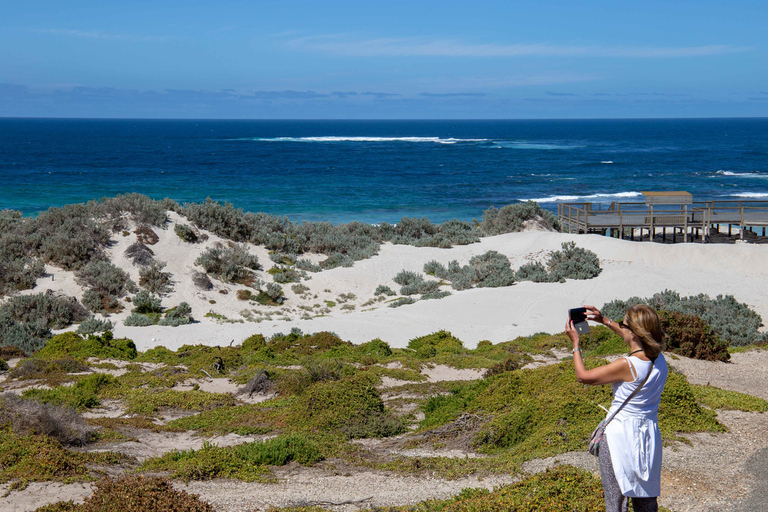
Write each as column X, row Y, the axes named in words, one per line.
column 614, row 500
column 645, row 504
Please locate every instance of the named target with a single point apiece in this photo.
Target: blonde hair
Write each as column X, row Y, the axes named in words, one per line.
column 644, row 322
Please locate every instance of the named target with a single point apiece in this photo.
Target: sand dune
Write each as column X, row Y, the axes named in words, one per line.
column 495, row 314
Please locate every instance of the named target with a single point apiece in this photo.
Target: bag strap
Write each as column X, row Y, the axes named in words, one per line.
column 653, row 361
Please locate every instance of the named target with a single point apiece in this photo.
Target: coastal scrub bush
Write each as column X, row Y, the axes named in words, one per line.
column 438, row 342
column 145, row 303
column 68, row 237
column 690, row 336
column 101, row 302
column 135, row 494
column 139, row 254
column 275, row 293
column 733, row 321
column 573, row 263
column 70, row 344
column 406, row 277
column 281, row 274
column 82, row 395
column 492, row 270
column 246, row 461
column 18, row 270
column 535, row 272
column 180, row 315
column 26, row 336
column 553, row 490
column 333, row 405
column 104, row 276
column 139, row 208
column 28, row 417
column 435, row 295
column 93, row 325
column 153, row 279
column 401, row 302
column 229, row 263
column 186, row 233
column 384, row 290
column 46, row 310
column 138, row 320
column 513, row 217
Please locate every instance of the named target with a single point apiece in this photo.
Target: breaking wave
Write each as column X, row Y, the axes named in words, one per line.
column 598, row 197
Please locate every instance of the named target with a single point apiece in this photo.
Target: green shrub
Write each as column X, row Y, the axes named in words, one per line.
column 511, row 218
column 104, row 276
column 375, row 348
column 690, row 336
column 18, row 270
column 27, row 336
column 733, row 321
column 332, row 405
column 104, row 347
column 231, row 263
column 145, row 303
column 180, row 315
column 139, row 320
column 383, row 290
column 47, row 310
column 295, row 383
column 149, row 401
column 245, row 461
column 401, row 302
column 139, row 208
column 83, row 395
column 134, row 494
column 438, row 342
column 93, row 325
column 492, row 270
column 435, row 295
column 186, row 233
column 573, row 263
column 101, row 302
column 553, row 490
column 38, row 458
column 67, row 236
column 153, row 279
column 535, row 272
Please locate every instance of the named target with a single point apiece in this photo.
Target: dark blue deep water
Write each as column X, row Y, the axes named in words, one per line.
column 375, row 171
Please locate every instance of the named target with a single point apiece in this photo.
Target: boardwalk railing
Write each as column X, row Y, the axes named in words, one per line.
column 697, row 219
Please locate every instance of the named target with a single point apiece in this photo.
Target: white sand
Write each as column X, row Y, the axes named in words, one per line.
column 495, row 314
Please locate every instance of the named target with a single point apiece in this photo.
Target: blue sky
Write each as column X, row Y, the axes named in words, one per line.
column 383, row 60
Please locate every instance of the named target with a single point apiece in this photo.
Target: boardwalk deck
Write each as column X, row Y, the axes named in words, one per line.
column 689, row 219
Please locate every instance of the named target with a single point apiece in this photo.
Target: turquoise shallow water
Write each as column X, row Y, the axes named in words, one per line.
column 376, row 171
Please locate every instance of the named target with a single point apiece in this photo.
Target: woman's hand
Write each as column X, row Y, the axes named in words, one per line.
column 570, row 330
column 594, row 314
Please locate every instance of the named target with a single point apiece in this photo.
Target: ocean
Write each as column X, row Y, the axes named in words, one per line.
column 377, row 171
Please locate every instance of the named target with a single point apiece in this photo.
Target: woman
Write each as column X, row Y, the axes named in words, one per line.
column 630, row 451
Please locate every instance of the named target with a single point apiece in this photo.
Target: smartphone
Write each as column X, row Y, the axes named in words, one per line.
column 579, row 318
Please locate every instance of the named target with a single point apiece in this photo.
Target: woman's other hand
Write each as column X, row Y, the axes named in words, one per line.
column 594, row 314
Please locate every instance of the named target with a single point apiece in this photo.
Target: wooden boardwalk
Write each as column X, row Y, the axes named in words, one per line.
column 686, row 221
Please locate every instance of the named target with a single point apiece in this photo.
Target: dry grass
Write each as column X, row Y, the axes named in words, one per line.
column 30, row 417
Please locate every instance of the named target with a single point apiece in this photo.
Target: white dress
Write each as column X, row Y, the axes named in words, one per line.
column 633, row 435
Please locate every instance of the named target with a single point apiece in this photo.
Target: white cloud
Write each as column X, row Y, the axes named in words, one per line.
column 345, row 44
